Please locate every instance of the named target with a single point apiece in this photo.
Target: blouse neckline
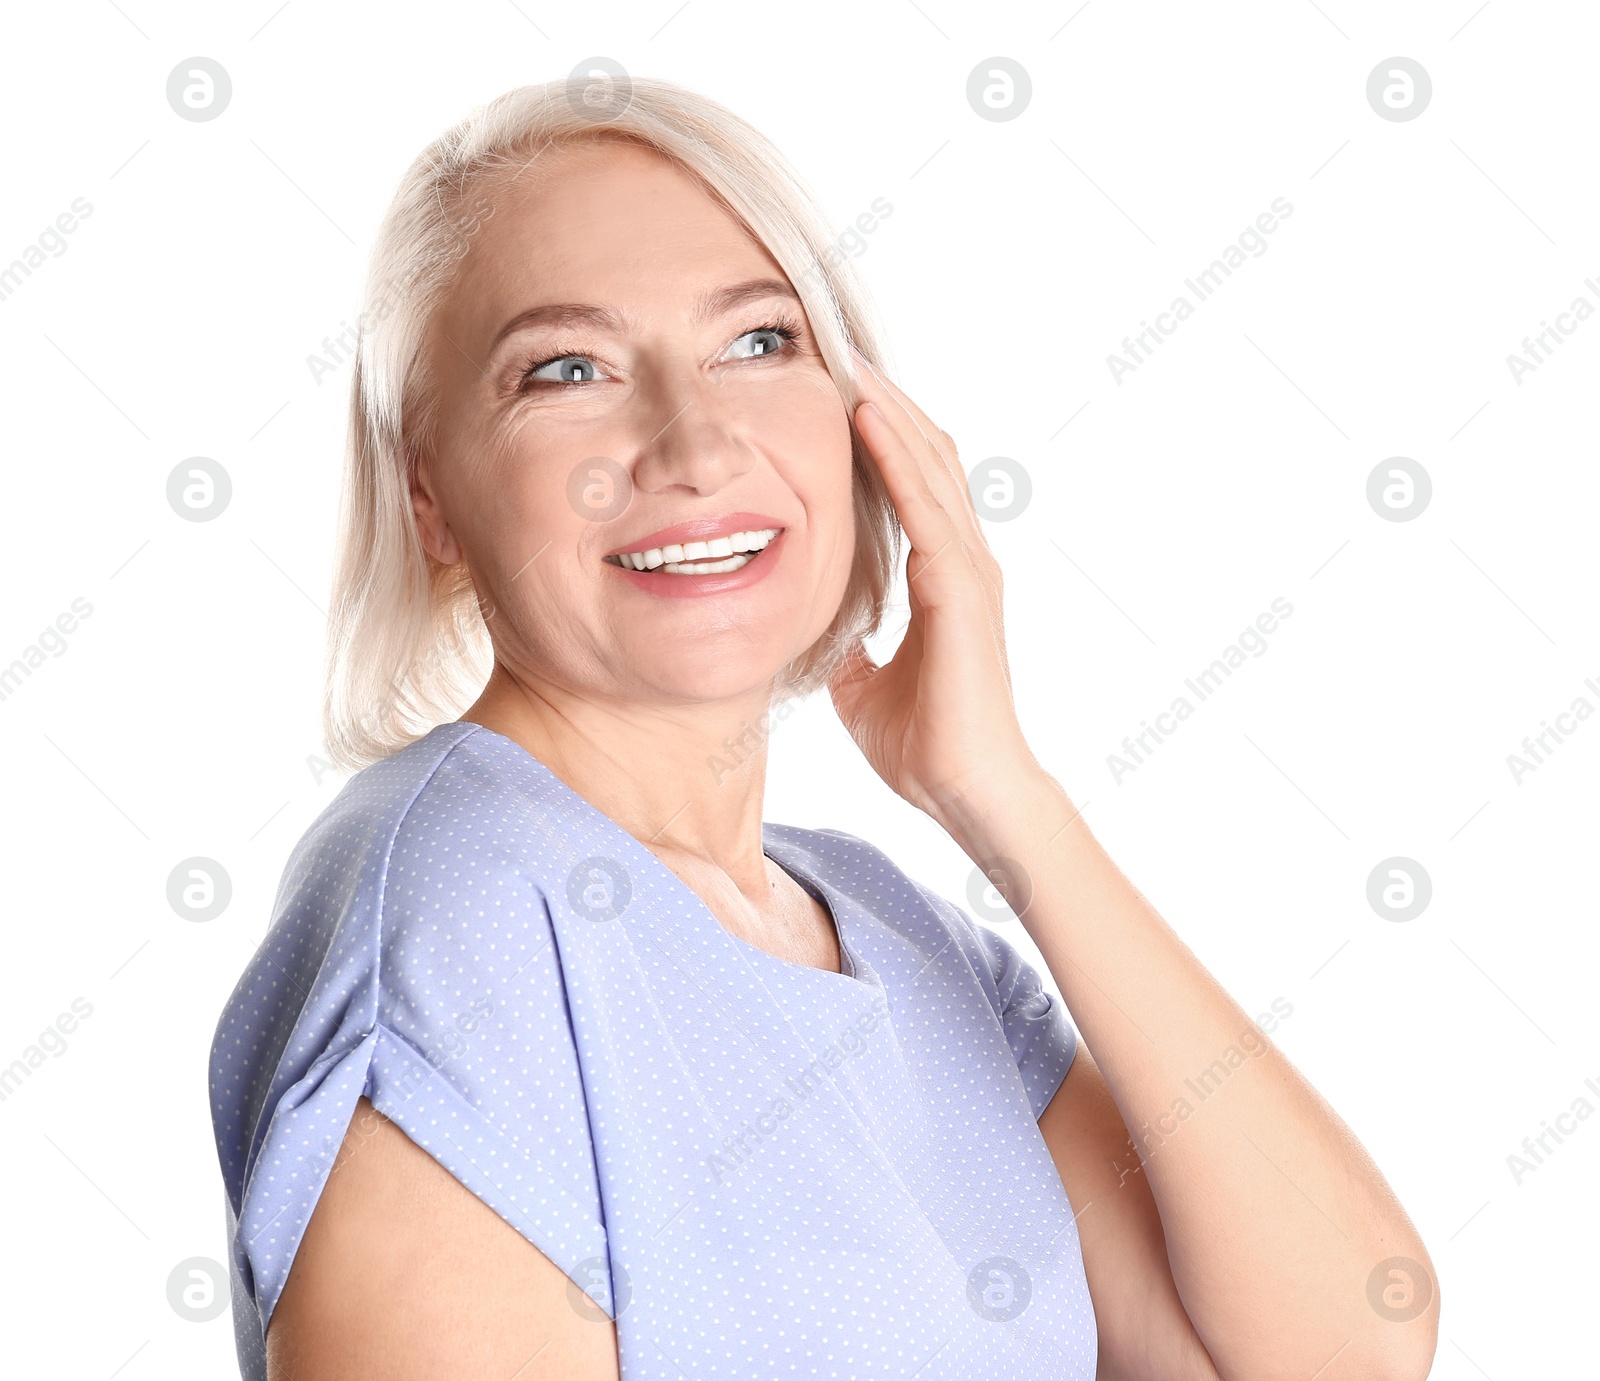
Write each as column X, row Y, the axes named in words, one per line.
column 855, row 970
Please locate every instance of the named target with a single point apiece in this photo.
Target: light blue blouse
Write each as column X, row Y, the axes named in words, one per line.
column 757, row 1168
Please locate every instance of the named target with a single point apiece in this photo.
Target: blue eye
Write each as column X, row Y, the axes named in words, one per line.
column 570, row 369
column 776, row 338
column 772, row 339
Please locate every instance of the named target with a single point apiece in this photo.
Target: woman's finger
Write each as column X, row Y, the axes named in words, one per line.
column 933, row 444
column 939, row 567
column 940, row 469
column 925, row 519
column 908, row 418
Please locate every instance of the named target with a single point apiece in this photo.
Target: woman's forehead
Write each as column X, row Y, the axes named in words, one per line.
column 587, row 247
column 606, row 184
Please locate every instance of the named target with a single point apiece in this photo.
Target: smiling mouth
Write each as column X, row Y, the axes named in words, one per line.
column 719, row 556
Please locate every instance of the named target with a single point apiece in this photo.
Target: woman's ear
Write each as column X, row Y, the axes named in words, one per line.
column 437, row 539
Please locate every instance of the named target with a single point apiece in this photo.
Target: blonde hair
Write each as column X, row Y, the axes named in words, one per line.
column 407, row 644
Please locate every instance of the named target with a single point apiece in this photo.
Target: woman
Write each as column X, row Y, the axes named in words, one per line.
column 545, row 1005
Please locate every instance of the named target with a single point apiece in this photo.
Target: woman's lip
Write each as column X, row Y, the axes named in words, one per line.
column 669, row 586
column 700, row 530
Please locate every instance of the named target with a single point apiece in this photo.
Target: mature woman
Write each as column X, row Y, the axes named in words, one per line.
column 556, row 1060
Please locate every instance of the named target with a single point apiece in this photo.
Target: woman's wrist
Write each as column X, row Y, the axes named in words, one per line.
column 1017, row 809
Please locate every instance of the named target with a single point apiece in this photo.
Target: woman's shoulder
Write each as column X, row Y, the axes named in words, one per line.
column 457, row 802
column 454, row 781
column 438, row 841
column 409, row 958
column 865, row 874
column 862, row 871
column 840, row 858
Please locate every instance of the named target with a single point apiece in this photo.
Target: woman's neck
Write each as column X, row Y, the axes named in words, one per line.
column 685, row 779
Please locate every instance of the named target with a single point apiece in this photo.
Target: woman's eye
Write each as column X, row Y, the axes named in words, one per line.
column 767, row 340
column 569, row 369
column 580, row 369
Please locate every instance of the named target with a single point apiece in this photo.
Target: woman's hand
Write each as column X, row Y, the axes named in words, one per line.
column 1302, row 1246
column 937, row 720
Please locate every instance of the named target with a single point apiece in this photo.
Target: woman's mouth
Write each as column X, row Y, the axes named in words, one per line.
column 719, row 556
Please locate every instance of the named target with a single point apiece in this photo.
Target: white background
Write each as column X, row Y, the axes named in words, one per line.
column 1168, row 511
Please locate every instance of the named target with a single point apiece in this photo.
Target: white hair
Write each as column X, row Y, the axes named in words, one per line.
column 407, row 644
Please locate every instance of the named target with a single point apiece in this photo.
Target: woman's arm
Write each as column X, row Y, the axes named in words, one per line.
column 1143, row 1326
column 405, row 1275
column 1279, row 1230
column 1273, row 1215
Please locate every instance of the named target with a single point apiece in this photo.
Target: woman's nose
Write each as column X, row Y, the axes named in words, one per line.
column 692, row 443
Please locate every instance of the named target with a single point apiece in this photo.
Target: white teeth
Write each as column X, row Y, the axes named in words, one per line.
column 717, row 556
column 708, row 567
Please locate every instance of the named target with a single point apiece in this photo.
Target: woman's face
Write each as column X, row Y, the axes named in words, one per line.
column 622, row 369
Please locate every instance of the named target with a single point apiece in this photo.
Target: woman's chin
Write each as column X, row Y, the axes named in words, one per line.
column 722, row 669
column 706, row 685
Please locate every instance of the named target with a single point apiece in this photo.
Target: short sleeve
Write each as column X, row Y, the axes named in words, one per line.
column 1035, row 1021
column 423, row 974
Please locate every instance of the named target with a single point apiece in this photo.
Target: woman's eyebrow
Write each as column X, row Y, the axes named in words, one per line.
column 711, row 304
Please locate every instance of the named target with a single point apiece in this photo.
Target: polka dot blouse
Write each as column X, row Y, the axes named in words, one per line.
column 756, row 1168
